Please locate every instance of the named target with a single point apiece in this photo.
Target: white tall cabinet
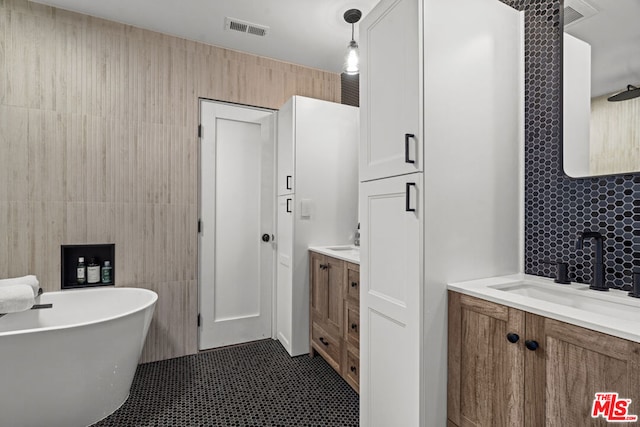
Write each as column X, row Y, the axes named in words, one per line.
column 441, row 187
column 317, row 202
column 391, row 212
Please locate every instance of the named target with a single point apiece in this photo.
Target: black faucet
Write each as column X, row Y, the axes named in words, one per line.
column 597, row 277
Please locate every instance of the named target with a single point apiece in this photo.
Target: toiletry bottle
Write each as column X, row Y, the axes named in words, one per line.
column 107, row 271
column 93, row 271
column 356, row 239
column 81, row 272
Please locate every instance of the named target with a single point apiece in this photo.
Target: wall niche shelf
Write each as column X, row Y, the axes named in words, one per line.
column 69, row 255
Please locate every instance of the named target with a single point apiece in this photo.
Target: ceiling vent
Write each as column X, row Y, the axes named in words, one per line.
column 576, row 11
column 233, row 24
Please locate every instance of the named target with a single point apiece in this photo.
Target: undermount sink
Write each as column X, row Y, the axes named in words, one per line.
column 348, row 253
column 612, row 312
column 343, row 248
column 577, row 296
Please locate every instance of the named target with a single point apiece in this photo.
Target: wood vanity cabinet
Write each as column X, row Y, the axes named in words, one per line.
column 508, row 367
column 335, row 314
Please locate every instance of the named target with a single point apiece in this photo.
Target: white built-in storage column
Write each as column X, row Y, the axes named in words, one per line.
column 391, row 212
column 317, row 201
column 441, row 89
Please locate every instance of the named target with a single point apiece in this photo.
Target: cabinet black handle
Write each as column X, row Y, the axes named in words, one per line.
column 288, row 184
column 324, row 266
column 288, row 207
column 407, row 136
column 512, row 338
column 353, row 369
column 531, row 345
column 354, row 284
column 322, row 340
column 408, row 207
column 354, row 326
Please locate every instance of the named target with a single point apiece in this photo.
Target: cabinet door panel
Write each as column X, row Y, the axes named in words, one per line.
column 390, row 94
column 390, row 297
column 318, row 286
column 580, row 363
column 486, row 371
column 284, row 272
column 286, row 144
column 335, row 304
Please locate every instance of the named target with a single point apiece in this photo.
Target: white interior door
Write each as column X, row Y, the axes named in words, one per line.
column 236, row 210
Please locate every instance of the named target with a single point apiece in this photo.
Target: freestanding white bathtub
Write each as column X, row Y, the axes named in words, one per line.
column 73, row 364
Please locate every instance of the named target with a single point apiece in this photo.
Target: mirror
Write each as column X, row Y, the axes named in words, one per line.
column 601, row 58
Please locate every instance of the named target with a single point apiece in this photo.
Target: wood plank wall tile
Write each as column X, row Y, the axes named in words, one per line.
column 98, row 144
column 3, row 47
column 615, row 138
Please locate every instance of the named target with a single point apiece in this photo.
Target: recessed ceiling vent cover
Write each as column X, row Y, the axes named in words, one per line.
column 576, row 11
column 233, row 24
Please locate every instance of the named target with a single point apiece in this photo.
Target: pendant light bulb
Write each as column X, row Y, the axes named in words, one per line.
column 352, row 59
column 352, row 56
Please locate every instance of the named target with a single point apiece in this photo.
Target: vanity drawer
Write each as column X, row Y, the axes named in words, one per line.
column 352, row 325
column 353, row 281
column 351, row 371
column 329, row 347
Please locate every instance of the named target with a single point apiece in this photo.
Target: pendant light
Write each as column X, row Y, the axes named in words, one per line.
column 352, row 57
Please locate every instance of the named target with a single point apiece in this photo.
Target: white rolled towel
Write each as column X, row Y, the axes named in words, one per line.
column 15, row 298
column 30, row 280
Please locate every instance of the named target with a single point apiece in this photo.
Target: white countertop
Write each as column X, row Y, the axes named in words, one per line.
column 612, row 312
column 348, row 253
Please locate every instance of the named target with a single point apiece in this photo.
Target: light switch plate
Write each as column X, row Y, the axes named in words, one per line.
column 305, row 208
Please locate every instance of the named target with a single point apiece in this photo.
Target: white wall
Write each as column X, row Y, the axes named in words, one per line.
column 474, row 91
column 576, row 100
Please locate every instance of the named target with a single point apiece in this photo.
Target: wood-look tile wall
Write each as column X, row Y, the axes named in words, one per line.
column 615, row 136
column 98, row 144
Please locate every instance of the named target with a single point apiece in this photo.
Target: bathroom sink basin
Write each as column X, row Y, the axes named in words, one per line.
column 612, row 312
column 348, row 253
column 343, row 248
column 579, row 297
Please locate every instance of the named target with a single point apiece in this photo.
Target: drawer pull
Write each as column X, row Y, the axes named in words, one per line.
column 323, row 341
column 354, row 284
column 408, row 207
column 354, row 326
column 512, row 338
column 353, row 369
column 407, row 136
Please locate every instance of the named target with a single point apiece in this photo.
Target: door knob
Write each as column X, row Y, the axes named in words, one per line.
column 266, row 237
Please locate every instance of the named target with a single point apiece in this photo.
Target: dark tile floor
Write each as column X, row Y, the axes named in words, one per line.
column 254, row 384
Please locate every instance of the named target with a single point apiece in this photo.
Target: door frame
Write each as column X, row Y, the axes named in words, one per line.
column 201, row 100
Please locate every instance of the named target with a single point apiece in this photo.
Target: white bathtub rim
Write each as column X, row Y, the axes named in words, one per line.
column 151, row 303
